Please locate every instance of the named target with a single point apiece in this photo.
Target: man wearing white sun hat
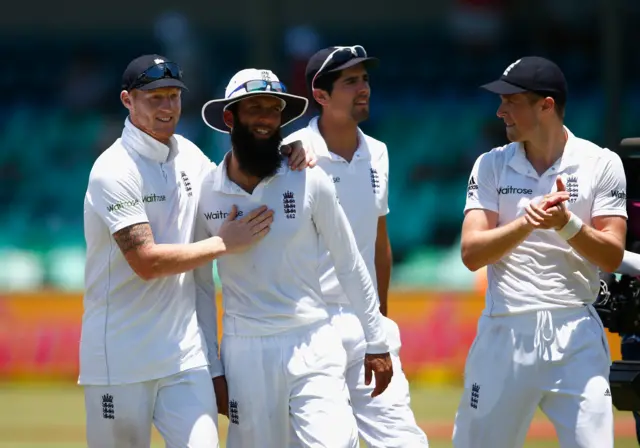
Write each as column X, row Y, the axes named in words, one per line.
column 283, row 361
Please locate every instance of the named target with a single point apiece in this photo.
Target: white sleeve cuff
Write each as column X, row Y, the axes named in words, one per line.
column 216, row 368
column 377, row 347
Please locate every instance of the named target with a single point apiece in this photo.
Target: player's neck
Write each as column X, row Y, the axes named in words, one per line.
column 245, row 181
column 546, row 148
column 341, row 137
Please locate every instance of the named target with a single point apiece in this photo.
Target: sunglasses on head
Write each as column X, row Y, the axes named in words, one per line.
column 159, row 71
column 339, row 56
column 260, row 86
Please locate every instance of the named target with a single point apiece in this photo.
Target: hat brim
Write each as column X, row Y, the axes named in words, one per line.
column 503, row 88
column 164, row 82
column 212, row 111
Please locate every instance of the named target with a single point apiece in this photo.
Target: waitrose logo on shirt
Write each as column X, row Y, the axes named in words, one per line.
column 514, row 190
column 133, row 202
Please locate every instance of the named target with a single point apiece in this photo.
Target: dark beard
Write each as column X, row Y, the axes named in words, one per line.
column 256, row 157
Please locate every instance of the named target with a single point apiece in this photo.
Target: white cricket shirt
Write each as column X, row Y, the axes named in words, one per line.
column 135, row 330
column 363, row 190
column 274, row 287
column 544, row 272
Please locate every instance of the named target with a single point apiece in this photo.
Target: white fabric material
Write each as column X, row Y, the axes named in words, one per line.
column 288, row 390
column 135, row 330
column 571, row 228
column 274, row 287
column 386, row 421
column 236, row 91
column 362, row 186
column 182, row 407
column 557, row 360
column 544, row 272
column 630, row 264
column 233, row 89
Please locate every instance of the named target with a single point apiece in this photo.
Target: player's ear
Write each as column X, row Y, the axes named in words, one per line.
column 321, row 96
column 227, row 116
column 548, row 104
column 126, row 99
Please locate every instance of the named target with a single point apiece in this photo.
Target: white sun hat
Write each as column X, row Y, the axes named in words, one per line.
column 252, row 82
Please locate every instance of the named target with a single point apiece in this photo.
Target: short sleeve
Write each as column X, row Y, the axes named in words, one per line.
column 610, row 189
column 117, row 198
column 481, row 188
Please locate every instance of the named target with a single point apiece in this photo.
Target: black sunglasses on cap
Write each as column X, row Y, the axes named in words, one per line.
column 339, row 56
column 156, row 72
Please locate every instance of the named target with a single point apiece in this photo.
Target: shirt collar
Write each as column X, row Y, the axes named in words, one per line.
column 223, row 184
column 319, row 145
column 571, row 155
column 145, row 145
column 569, row 158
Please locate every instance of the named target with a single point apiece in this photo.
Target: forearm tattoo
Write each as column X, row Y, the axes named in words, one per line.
column 134, row 237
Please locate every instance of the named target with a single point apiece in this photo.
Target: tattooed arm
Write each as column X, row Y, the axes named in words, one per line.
column 150, row 260
column 115, row 195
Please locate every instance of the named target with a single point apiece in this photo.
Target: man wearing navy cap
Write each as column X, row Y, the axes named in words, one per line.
column 544, row 213
column 358, row 164
column 149, row 347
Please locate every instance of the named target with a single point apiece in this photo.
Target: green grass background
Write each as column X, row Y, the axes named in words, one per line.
column 46, row 416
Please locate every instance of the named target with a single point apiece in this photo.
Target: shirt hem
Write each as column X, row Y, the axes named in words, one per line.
column 128, row 222
column 543, row 307
column 610, row 212
column 246, row 332
column 119, row 381
column 481, row 207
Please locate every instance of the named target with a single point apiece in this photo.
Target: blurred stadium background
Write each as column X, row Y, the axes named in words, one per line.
column 60, row 109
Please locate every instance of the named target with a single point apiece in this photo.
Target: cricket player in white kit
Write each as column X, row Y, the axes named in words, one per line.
column 544, row 214
column 359, row 167
column 283, row 361
column 145, row 353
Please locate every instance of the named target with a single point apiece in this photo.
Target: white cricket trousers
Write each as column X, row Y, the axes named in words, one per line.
column 387, row 420
column 182, row 407
column 558, row 360
column 288, row 390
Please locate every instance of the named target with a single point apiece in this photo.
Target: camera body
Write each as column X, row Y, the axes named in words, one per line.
column 618, row 304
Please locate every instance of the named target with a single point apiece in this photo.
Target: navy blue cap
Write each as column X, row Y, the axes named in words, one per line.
column 531, row 74
column 318, row 59
column 152, row 71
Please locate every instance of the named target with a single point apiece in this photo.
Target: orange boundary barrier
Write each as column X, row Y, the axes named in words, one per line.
column 40, row 332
